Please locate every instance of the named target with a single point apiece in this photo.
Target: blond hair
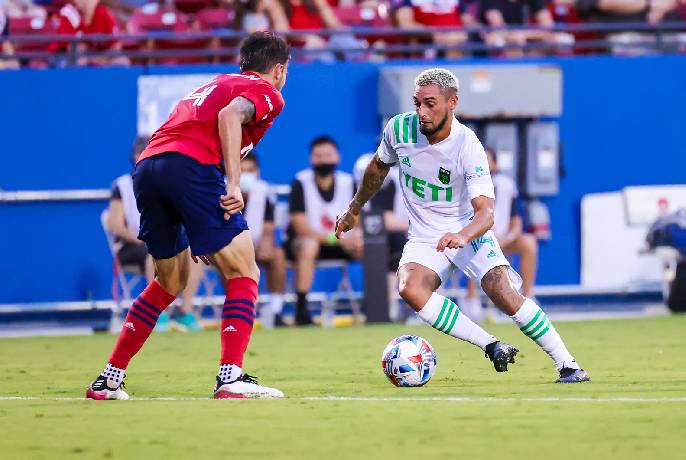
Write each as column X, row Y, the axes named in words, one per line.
column 442, row 78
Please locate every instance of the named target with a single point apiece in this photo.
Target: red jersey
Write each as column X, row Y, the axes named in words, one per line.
column 192, row 128
column 73, row 23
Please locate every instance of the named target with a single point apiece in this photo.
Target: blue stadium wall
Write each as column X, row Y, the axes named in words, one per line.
column 624, row 123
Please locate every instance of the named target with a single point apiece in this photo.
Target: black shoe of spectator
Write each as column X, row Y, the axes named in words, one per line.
column 278, row 321
column 303, row 317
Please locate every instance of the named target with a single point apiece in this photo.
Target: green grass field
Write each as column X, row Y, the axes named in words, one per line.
column 505, row 415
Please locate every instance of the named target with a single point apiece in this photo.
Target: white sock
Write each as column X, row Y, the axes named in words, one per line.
column 534, row 323
column 229, row 372
column 276, row 303
column 114, row 375
column 442, row 314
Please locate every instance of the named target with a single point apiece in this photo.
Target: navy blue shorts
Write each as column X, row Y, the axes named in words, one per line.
column 178, row 199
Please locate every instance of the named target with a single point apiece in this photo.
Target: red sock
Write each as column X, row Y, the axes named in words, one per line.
column 139, row 323
column 237, row 319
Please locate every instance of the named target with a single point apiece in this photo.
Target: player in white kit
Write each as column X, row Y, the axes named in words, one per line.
column 449, row 196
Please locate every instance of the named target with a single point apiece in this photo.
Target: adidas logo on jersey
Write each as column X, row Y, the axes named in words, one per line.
column 230, row 328
column 406, row 162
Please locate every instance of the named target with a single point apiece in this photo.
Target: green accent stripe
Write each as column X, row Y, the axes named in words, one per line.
column 396, row 128
column 406, row 128
column 533, row 320
column 415, row 124
column 441, row 327
column 452, row 322
column 540, row 334
column 445, row 303
column 538, row 326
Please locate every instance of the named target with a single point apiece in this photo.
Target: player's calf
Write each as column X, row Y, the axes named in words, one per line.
column 533, row 322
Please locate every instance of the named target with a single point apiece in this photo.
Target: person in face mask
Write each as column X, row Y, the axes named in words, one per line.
column 259, row 213
column 318, row 195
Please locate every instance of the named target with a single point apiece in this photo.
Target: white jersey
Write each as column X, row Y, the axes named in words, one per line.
column 438, row 181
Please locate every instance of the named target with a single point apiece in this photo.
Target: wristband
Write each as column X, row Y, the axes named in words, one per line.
column 331, row 239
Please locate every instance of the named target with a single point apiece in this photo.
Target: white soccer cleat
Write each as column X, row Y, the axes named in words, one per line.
column 245, row 386
column 102, row 389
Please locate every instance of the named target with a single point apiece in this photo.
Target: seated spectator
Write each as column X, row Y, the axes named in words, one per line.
column 260, row 15
column 259, row 214
column 499, row 13
column 415, row 14
column 508, row 229
column 389, row 201
column 123, row 222
column 87, row 17
column 315, row 15
column 123, row 9
column 629, row 10
column 318, row 195
column 5, row 46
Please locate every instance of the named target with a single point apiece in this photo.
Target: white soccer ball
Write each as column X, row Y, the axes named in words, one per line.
column 409, row 361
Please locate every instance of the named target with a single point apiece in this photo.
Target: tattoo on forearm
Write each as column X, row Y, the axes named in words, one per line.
column 374, row 176
column 245, row 108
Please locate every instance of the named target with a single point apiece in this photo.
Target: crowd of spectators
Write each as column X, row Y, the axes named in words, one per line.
column 438, row 22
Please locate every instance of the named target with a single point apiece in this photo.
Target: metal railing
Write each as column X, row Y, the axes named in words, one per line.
column 663, row 37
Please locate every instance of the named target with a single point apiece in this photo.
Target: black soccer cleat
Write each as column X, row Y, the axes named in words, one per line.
column 278, row 321
column 568, row 375
column 103, row 388
column 501, row 354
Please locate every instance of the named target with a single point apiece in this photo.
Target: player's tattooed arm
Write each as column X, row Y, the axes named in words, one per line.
column 244, row 108
column 231, row 119
column 374, row 176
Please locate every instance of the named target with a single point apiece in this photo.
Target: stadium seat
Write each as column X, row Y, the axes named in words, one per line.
column 31, row 26
column 212, row 19
column 193, row 6
column 142, row 22
column 344, row 291
column 124, row 278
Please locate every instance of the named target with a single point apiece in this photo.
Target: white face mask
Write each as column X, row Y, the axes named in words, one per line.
column 248, row 180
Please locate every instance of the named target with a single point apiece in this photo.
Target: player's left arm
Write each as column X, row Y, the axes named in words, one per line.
column 480, row 224
column 231, row 120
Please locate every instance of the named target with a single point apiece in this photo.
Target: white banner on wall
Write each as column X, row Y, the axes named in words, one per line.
column 157, row 95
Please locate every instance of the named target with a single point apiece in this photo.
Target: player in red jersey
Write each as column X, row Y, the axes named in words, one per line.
column 186, row 184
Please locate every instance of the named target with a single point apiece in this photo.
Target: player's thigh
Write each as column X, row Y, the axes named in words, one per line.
column 524, row 243
column 481, row 255
column 426, row 255
column 198, row 203
column 237, row 259
column 160, row 224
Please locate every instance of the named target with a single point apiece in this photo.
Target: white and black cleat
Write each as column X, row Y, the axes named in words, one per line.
column 569, row 375
column 245, row 386
column 501, row 354
column 102, row 389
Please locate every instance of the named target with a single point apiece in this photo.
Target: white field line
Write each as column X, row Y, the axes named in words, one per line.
column 600, row 399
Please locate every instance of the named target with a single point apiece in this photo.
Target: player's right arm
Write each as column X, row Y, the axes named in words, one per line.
column 373, row 178
column 231, row 120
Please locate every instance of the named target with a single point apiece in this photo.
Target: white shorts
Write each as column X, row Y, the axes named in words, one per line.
column 475, row 259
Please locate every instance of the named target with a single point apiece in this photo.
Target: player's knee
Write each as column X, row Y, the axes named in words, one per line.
column 412, row 291
column 529, row 244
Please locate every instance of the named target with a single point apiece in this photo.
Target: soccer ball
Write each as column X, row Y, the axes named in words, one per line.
column 408, row 361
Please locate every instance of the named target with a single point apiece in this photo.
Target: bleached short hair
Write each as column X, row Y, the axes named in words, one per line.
column 443, row 78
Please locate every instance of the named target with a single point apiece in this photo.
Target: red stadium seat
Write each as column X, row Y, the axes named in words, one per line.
column 214, row 19
column 193, row 6
column 142, row 22
column 357, row 16
column 32, row 26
